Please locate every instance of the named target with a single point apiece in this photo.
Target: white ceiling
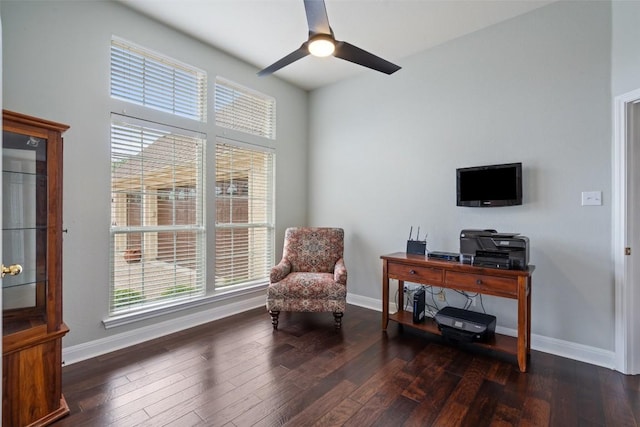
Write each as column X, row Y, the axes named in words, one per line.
column 262, row 31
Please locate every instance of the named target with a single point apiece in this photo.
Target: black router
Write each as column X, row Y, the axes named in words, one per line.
column 417, row 246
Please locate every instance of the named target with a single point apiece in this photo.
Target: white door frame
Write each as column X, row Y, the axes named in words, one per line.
column 1, row 144
column 622, row 209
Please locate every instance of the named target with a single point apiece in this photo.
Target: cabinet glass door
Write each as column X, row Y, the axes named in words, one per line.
column 24, row 231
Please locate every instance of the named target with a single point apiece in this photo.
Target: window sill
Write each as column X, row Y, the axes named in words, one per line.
column 150, row 313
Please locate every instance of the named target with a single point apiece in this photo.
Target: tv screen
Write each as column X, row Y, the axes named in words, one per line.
column 488, row 186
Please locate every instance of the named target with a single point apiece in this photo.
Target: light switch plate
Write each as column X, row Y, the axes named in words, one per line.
column 592, row 198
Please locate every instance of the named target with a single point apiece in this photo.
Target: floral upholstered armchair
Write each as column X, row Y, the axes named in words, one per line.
column 311, row 275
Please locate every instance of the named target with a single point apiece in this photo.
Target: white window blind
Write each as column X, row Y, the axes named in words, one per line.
column 244, row 215
column 147, row 78
column 245, row 110
column 157, row 231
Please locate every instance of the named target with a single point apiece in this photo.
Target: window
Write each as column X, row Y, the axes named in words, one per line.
column 158, row 224
column 146, row 78
column 157, row 230
column 245, row 110
column 244, row 215
column 244, row 188
column 158, row 233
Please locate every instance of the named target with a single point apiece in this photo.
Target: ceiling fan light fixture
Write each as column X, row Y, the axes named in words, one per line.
column 321, row 46
column 322, row 43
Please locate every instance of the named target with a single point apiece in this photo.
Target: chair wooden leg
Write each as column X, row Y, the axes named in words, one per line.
column 274, row 318
column 337, row 316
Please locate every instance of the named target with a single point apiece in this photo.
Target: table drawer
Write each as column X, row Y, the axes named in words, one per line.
column 482, row 283
column 425, row 275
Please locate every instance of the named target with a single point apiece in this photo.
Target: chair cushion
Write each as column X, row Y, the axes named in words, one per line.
column 316, row 292
column 307, row 286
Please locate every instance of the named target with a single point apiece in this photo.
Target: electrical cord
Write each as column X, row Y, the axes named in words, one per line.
column 408, row 295
column 432, row 308
column 470, row 298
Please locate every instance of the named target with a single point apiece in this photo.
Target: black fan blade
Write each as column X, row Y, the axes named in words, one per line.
column 292, row 57
column 317, row 17
column 356, row 55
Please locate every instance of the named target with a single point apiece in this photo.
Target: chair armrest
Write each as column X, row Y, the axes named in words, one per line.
column 280, row 271
column 340, row 272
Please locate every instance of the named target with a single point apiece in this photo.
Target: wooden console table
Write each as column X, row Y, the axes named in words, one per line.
column 514, row 284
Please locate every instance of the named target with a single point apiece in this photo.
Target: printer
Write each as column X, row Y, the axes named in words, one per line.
column 488, row 248
column 457, row 324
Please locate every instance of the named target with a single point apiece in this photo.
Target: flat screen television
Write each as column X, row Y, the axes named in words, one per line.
column 489, row 186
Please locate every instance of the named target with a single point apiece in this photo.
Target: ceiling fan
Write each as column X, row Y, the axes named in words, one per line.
column 322, row 43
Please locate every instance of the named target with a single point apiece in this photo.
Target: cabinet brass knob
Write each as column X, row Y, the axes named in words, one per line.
column 412, row 272
column 479, row 282
column 12, row 270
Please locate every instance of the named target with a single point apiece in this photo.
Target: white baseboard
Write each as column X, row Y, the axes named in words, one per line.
column 101, row 346
column 77, row 353
column 366, row 302
column 570, row 350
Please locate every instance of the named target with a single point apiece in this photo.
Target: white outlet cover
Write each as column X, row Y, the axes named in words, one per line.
column 592, row 198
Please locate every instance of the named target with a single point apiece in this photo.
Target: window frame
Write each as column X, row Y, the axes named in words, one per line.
column 240, row 137
column 145, row 88
column 213, row 133
column 120, row 233
column 162, row 119
column 226, row 92
column 266, row 259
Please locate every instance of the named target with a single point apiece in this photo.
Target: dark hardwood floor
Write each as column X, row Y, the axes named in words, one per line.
column 239, row 372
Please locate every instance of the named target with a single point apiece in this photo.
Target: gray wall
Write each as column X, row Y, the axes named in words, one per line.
column 383, row 149
column 534, row 89
column 56, row 66
column 625, row 54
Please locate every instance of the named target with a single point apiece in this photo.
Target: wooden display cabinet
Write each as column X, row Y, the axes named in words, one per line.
column 32, row 326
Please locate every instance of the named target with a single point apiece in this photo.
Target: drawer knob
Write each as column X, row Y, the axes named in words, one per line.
column 412, row 272
column 479, row 282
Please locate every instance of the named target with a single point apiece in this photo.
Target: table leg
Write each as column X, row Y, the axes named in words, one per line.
column 523, row 323
column 528, row 316
column 385, row 296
